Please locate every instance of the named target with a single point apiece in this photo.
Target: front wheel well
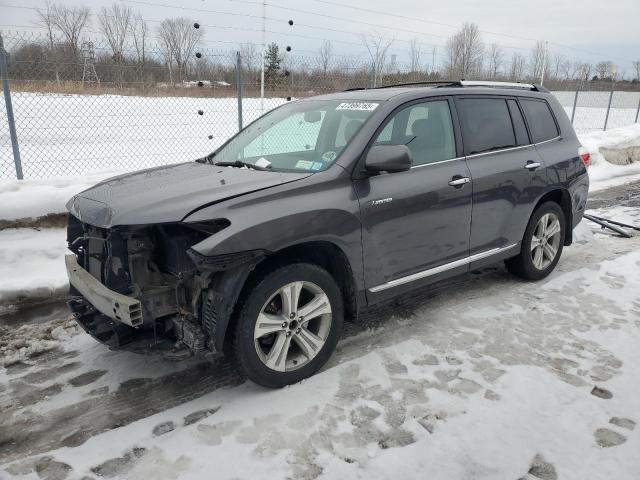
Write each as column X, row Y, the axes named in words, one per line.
column 563, row 199
column 324, row 254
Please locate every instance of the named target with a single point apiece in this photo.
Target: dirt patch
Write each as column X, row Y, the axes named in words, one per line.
column 51, row 220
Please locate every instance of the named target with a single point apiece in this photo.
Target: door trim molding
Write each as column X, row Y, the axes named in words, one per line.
column 442, row 268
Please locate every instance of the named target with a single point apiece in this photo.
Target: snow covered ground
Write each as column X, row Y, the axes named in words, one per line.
column 486, row 378
column 63, row 134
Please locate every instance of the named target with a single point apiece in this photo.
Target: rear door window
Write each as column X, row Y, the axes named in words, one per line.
column 541, row 122
column 522, row 137
column 486, row 124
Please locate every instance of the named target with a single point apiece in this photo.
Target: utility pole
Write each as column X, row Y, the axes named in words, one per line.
column 264, row 21
column 544, row 62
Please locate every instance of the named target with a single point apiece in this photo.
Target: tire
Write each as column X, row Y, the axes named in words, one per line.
column 534, row 261
column 287, row 347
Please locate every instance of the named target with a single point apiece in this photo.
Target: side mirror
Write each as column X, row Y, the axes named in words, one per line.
column 388, row 158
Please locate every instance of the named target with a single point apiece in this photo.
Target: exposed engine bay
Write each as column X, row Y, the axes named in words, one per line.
column 150, row 264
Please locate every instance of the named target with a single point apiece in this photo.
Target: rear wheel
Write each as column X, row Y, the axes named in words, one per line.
column 542, row 243
column 288, row 325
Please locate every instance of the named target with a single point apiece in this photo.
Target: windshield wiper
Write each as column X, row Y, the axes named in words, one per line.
column 240, row 163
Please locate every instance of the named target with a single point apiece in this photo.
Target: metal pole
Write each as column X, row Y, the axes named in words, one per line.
column 4, row 73
column 239, row 88
column 575, row 102
column 606, row 118
column 637, row 112
column 544, row 62
column 264, row 19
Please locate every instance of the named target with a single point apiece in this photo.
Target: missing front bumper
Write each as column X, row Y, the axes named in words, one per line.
column 114, row 305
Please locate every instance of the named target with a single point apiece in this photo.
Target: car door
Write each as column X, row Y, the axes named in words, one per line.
column 506, row 169
column 416, row 223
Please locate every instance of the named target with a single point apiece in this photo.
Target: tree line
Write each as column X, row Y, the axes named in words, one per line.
column 129, row 54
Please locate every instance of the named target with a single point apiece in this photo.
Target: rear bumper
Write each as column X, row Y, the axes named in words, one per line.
column 114, row 305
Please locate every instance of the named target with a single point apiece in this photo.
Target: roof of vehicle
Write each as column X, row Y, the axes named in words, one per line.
column 383, row 94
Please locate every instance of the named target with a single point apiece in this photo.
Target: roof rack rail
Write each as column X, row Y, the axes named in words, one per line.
column 494, row 84
column 461, row 83
column 409, row 84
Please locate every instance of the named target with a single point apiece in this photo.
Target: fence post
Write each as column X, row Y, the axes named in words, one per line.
column 637, row 111
column 606, row 119
column 239, row 88
column 4, row 74
column 575, row 103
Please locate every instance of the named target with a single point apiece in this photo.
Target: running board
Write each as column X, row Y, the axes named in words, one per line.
column 442, row 268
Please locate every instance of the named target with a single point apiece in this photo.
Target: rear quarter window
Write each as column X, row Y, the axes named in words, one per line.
column 542, row 123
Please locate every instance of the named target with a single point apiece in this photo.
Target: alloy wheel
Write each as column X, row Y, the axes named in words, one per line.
column 293, row 326
column 545, row 241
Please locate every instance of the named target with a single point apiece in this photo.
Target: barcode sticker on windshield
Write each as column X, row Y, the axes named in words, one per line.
column 366, row 106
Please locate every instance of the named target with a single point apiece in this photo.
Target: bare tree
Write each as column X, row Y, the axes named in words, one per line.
column 636, row 67
column 70, row 21
column 516, row 69
column 139, row 32
column 538, row 61
column 496, row 60
column 115, row 23
column 585, row 71
column 249, row 55
column 377, row 46
column 45, row 20
column 464, row 51
column 604, row 69
column 324, row 55
column 414, row 55
column 178, row 40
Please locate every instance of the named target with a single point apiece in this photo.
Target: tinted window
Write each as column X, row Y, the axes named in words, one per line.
column 487, row 124
column 541, row 122
column 522, row 137
column 426, row 128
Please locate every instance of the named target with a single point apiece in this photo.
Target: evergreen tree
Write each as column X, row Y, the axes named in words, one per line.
column 272, row 68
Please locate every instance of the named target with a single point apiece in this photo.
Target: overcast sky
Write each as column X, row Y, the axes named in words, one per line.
column 588, row 30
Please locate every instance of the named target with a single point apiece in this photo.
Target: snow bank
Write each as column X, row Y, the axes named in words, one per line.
column 38, row 197
column 32, row 264
column 602, row 173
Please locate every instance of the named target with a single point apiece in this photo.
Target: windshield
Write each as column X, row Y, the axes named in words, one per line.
column 301, row 136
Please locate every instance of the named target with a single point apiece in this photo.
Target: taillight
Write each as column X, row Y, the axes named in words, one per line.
column 585, row 156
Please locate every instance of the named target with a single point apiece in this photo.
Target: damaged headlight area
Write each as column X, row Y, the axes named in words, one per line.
column 137, row 287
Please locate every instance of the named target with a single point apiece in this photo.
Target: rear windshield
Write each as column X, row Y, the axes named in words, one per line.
column 300, row 136
column 540, row 119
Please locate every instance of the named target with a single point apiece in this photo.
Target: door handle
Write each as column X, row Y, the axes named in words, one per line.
column 531, row 165
column 458, row 181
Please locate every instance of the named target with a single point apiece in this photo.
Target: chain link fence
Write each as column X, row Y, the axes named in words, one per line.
column 83, row 109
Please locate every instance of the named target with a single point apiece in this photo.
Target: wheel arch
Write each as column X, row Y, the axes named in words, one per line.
column 562, row 197
column 323, row 253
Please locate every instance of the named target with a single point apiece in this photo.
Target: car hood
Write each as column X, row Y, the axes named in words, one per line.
column 169, row 193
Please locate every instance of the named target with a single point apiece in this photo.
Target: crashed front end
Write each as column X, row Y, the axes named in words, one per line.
column 137, row 287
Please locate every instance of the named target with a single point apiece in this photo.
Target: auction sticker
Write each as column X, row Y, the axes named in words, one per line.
column 306, row 164
column 365, row 106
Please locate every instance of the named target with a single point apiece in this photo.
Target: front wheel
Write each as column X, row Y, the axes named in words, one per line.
column 288, row 325
column 541, row 245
